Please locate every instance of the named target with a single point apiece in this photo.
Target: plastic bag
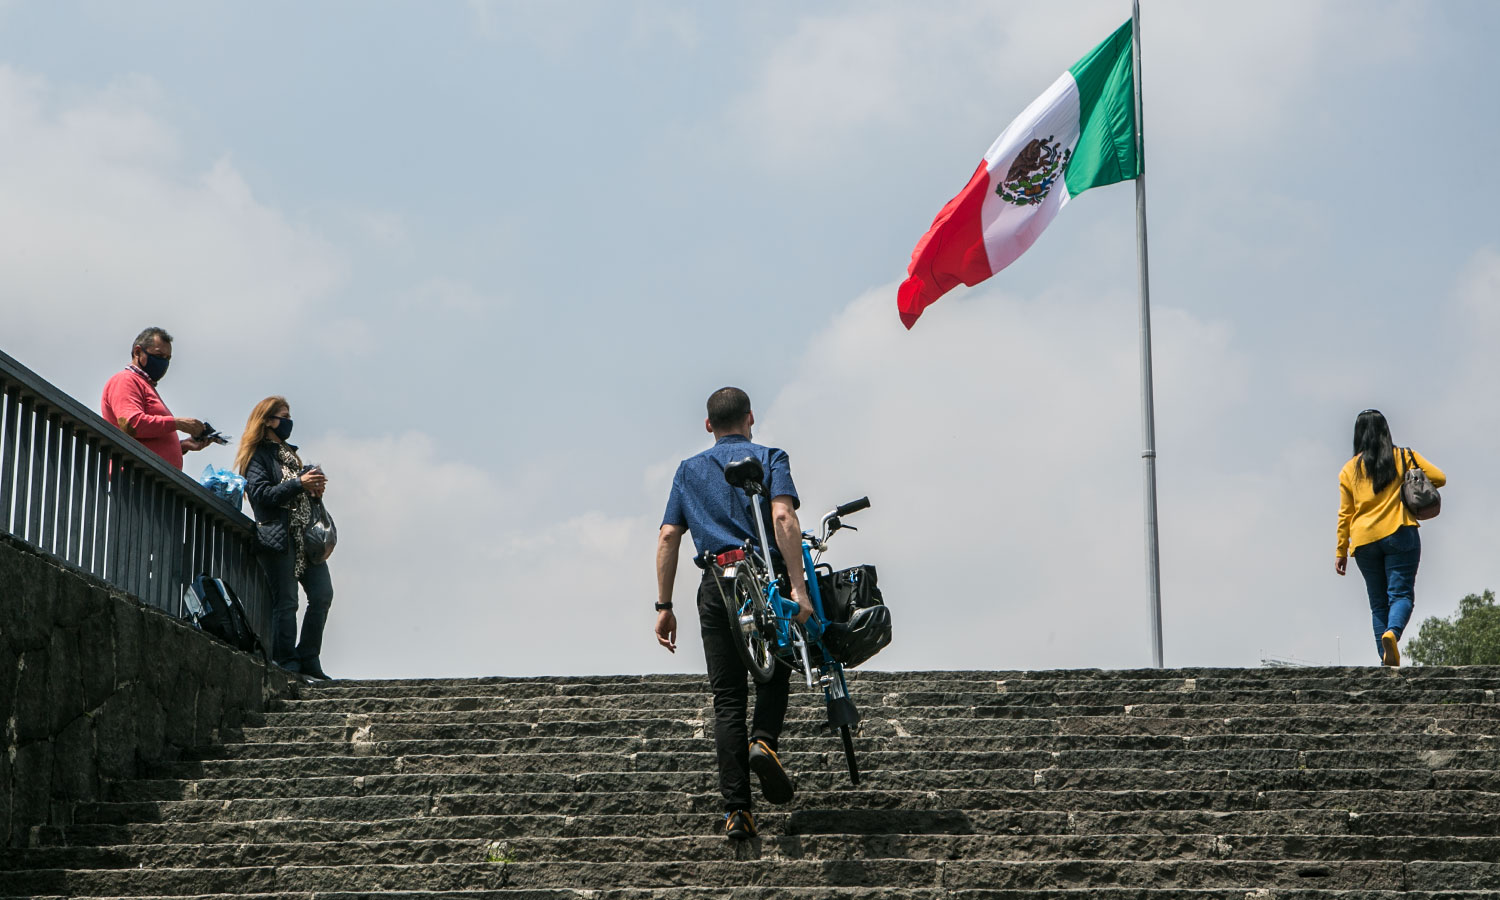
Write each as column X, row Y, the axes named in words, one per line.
column 320, row 536
column 224, row 484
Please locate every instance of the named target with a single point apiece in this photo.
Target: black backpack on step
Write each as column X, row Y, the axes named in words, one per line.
column 220, row 613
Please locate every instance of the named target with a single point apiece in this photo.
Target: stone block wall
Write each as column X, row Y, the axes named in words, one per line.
column 95, row 686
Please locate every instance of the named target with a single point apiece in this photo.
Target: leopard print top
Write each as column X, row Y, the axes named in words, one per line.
column 291, row 467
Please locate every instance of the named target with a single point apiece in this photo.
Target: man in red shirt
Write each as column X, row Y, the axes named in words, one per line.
column 132, row 404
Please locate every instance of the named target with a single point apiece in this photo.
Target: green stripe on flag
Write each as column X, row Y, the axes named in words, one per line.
column 1106, row 151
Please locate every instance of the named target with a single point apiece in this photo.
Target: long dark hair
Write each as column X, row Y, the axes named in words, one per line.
column 255, row 431
column 1372, row 444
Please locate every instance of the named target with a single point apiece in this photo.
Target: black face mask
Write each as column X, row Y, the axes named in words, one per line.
column 155, row 367
column 283, row 428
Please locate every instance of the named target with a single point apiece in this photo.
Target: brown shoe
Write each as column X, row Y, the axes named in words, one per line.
column 775, row 784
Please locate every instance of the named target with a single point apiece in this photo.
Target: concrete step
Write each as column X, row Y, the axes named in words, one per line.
column 702, row 760
column 846, row 893
column 1432, row 694
column 801, row 822
column 701, row 707
column 1138, row 847
column 827, row 892
column 1208, row 677
column 1351, row 783
column 949, row 875
column 829, row 820
column 660, row 802
column 1457, row 720
column 507, row 783
column 818, row 780
column 816, row 740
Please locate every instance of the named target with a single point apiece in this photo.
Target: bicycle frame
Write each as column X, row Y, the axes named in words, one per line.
column 768, row 630
column 793, row 641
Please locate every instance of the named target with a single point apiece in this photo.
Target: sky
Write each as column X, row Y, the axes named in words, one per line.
column 497, row 255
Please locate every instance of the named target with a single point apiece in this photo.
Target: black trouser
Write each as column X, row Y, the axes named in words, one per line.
column 727, row 677
column 318, row 584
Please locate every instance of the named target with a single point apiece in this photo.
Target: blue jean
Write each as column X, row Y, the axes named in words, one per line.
column 1390, row 569
column 318, row 583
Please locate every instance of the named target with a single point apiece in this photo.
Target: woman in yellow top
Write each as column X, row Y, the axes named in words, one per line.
column 1382, row 531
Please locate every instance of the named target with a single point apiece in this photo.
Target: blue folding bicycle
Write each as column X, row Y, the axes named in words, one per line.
column 765, row 619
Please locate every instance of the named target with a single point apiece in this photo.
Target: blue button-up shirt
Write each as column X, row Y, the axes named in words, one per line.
column 717, row 515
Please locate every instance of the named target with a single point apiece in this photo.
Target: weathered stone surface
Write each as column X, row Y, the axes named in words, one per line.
column 92, row 685
column 31, row 710
column 97, row 655
column 1316, row 784
column 116, row 723
column 74, row 774
column 128, row 624
column 64, row 678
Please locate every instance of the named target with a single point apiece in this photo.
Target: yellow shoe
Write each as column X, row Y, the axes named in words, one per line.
column 739, row 825
column 1390, row 655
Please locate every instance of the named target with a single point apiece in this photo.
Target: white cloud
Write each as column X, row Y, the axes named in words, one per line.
column 1454, row 421
column 105, row 222
column 840, row 82
column 386, row 228
column 448, row 569
column 999, row 442
column 678, row 25
column 839, row 78
column 451, row 296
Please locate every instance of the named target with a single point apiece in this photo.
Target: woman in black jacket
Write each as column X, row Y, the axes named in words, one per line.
column 281, row 492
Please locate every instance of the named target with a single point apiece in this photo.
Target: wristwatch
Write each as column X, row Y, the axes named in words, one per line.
column 662, row 606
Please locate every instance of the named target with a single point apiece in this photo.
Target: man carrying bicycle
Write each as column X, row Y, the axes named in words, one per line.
column 720, row 519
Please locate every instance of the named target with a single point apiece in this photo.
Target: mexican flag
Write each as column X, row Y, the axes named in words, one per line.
column 1078, row 134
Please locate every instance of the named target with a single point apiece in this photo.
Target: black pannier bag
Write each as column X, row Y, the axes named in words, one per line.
column 859, row 622
column 214, row 607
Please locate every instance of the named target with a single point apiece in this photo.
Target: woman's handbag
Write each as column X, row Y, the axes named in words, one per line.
column 320, row 536
column 1422, row 499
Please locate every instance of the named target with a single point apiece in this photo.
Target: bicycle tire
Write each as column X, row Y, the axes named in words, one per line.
column 755, row 652
column 848, row 737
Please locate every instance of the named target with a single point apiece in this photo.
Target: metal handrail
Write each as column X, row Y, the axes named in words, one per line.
column 81, row 490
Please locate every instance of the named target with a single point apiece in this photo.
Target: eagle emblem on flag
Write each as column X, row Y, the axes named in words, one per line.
column 1034, row 172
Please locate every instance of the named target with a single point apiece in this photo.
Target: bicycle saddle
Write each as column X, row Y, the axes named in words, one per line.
column 747, row 475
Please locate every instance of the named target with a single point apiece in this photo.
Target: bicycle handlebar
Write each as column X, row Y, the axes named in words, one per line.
column 852, row 506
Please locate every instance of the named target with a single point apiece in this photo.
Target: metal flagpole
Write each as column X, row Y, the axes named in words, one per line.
column 1148, row 413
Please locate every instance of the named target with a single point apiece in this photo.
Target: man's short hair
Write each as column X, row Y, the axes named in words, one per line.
column 144, row 339
column 728, row 407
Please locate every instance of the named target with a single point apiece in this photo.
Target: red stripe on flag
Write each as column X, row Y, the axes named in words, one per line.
column 950, row 253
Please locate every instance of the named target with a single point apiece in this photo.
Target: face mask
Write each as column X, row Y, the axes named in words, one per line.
column 155, row 367
column 283, row 428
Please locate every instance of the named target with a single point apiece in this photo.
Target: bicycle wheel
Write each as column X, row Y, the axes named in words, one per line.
column 849, row 754
column 750, row 621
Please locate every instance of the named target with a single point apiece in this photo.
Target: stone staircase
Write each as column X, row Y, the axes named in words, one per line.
column 1212, row 783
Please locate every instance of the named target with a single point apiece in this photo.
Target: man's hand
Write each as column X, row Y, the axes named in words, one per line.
column 668, row 541
column 192, row 444
column 666, row 629
column 1341, row 564
column 804, row 608
column 191, row 428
